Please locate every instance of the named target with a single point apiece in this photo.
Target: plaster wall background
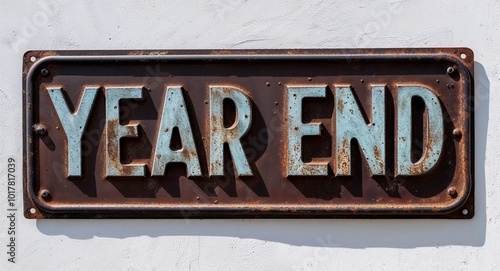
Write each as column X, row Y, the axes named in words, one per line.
column 254, row 244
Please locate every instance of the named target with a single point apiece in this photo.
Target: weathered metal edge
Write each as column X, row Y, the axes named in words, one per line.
column 153, row 55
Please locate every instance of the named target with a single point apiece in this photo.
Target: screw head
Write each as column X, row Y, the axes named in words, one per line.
column 450, row 70
column 44, row 72
column 457, row 134
column 452, row 192
column 45, row 194
column 39, row 129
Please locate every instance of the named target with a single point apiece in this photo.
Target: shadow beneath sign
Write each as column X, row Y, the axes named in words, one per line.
column 342, row 233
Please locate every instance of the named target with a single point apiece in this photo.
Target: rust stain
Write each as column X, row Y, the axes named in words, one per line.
column 376, row 151
column 113, row 154
column 340, row 105
column 296, row 148
column 191, row 153
column 214, row 124
column 344, row 156
column 418, row 169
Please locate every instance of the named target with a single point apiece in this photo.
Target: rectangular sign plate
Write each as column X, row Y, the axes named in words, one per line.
column 379, row 133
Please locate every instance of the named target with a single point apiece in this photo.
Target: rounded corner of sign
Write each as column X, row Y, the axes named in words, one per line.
column 30, row 210
column 461, row 208
column 33, row 60
column 34, row 208
column 28, row 54
column 469, row 53
column 463, row 57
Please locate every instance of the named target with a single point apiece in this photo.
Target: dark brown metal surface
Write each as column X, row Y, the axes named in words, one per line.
column 446, row 191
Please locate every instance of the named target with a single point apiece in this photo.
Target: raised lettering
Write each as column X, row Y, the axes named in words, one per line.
column 115, row 131
column 175, row 114
column 351, row 124
column 297, row 129
column 73, row 124
column 231, row 135
column 434, row 132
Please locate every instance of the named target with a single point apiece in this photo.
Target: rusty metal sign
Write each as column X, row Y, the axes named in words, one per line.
column 249, row 133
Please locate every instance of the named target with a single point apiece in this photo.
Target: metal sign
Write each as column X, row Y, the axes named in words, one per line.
column 266, row 133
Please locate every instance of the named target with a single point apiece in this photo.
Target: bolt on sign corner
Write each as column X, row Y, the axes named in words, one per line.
column 379, row 133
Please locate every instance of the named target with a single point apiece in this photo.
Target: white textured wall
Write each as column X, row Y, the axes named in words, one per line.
column 256, row 244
